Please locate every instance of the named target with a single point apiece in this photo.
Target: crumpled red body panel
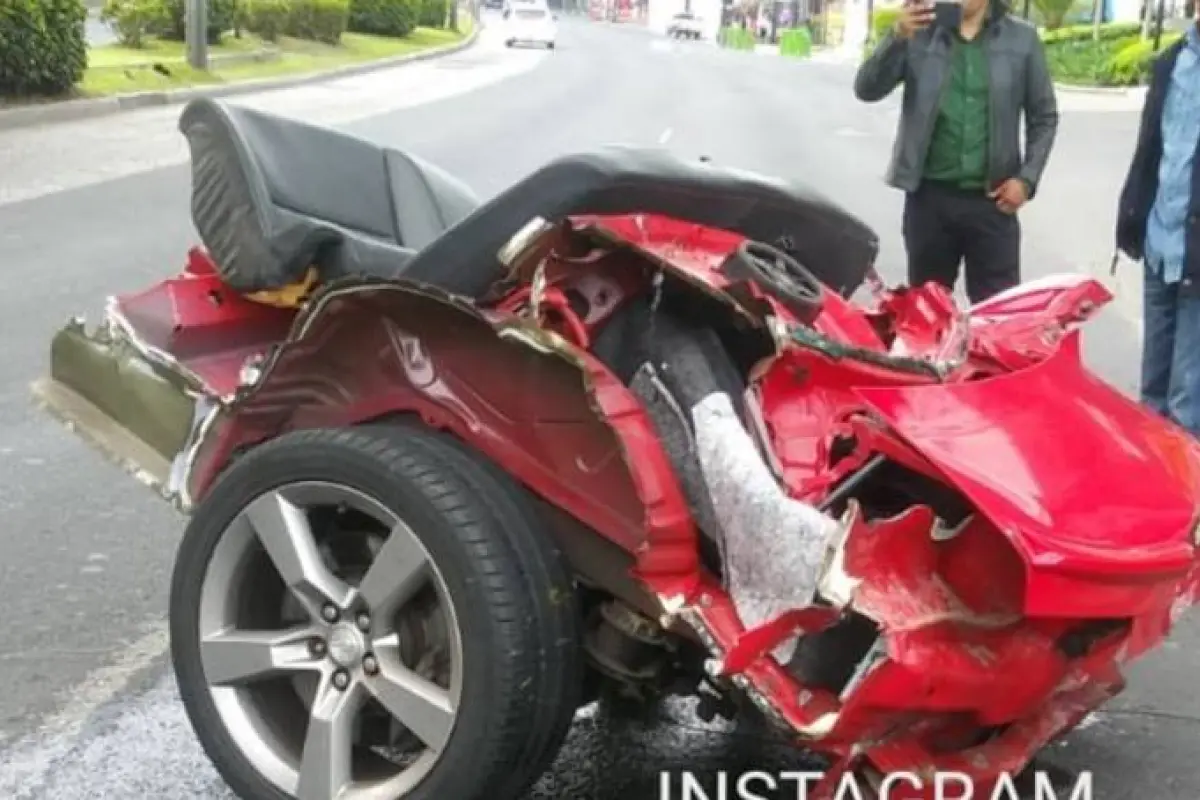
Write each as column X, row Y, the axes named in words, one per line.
column 1016, row 622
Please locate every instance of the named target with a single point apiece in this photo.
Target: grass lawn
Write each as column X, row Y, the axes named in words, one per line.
column 119, row 70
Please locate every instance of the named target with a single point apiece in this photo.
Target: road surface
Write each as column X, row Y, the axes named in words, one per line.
column 93, row 208
column 97, row 32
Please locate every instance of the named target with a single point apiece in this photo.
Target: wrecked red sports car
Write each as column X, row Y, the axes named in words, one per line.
column 454, row 469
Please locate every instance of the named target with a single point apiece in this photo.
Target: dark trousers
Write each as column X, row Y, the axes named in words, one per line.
column 945, row 227
column 1171, row 351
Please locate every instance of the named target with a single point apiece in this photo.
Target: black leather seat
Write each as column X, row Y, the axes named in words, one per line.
column 272, row 196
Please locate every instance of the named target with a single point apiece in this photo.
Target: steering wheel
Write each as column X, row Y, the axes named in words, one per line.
column 779, row 274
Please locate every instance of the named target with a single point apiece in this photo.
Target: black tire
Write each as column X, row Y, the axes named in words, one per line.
column 561, row 679
column 500, row 600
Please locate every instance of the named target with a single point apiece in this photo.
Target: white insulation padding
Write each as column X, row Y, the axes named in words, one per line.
column 774, row 545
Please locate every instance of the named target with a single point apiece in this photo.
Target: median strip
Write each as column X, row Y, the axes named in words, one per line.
column 149, row 68
column 161, row 66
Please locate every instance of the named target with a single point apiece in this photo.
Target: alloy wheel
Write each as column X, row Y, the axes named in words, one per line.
column 330, row 644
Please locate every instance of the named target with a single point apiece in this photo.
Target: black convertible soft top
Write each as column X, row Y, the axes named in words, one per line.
column 272, row 196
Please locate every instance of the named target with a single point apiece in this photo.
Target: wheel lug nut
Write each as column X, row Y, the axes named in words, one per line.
column 370, row 665
column 341, row 680
column 317, row 647
column 364, row 622
column 329, row 613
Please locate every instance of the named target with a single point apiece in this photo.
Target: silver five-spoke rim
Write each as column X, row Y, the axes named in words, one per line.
column 330, row 644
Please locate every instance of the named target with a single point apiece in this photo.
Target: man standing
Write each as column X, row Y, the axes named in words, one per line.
column 1158, row 222
column 968, row 78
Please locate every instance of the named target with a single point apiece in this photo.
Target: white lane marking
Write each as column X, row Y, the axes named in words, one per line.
column 27, row 764
column 665, row 136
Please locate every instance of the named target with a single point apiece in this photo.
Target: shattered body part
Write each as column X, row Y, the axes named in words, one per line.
column 522, row 395
column 775, row 545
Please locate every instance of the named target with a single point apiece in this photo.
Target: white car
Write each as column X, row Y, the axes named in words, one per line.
column 529, row 23
column 685, row 26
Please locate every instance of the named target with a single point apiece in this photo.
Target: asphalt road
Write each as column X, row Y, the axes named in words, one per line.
column 100, row 207
column 97, row 32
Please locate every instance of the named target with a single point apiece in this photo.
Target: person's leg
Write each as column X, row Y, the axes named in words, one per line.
column 931, row 238
column 1158, row 340
column 993, row 249
column 1183, row 400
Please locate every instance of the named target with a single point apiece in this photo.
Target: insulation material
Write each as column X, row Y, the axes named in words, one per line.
column 675, row 435
column 774, row 544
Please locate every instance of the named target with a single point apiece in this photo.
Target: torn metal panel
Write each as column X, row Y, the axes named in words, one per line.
column 894, row 564
column 314, row 377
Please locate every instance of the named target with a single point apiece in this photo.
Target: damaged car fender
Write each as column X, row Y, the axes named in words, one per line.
column 550, row 414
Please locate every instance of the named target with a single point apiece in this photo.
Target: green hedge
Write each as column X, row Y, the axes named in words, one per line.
column 1085, row 33
column 172, row 23
column 1121, row 57
column 433, row 13
column 132, row 20
column 268, row 19
column 796, row 43
column 318, row 20
column 384, row 17
column 1132, row 64
column 882, row 21
column 735, row 37
column 43, row 46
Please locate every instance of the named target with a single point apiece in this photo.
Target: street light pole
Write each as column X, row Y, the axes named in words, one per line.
column 196, row 33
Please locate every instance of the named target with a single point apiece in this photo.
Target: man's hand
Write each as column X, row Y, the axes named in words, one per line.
column 914, row 16
column 1010, row 195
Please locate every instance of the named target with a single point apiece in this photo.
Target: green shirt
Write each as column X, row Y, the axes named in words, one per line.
column 958, row 151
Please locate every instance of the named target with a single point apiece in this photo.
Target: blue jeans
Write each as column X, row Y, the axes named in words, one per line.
column 1171, row 352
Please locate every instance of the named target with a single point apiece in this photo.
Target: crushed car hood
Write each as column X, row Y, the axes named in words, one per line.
column 1079, row 477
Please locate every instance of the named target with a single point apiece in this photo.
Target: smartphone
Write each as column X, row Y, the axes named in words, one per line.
column 947, row 14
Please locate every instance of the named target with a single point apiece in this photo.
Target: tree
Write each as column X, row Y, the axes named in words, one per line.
column 1054, row 12
column 1097, row 18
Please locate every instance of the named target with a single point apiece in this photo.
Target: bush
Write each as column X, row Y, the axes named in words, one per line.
column 43, row 47
column 796, row 43
column 1113, row 61
column 222, row 16
column 433, row 13
column 882, row 21
column 1131, row 65
column 132, row 20
column 267, row 19
column 1054, row 14
column 383, row 17
column 1083, row 61
column 318, row 20
column 735, row 37
column 1084, row 33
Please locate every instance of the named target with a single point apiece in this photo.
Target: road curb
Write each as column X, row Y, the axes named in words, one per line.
column 72, row 110
column 1107, row 91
